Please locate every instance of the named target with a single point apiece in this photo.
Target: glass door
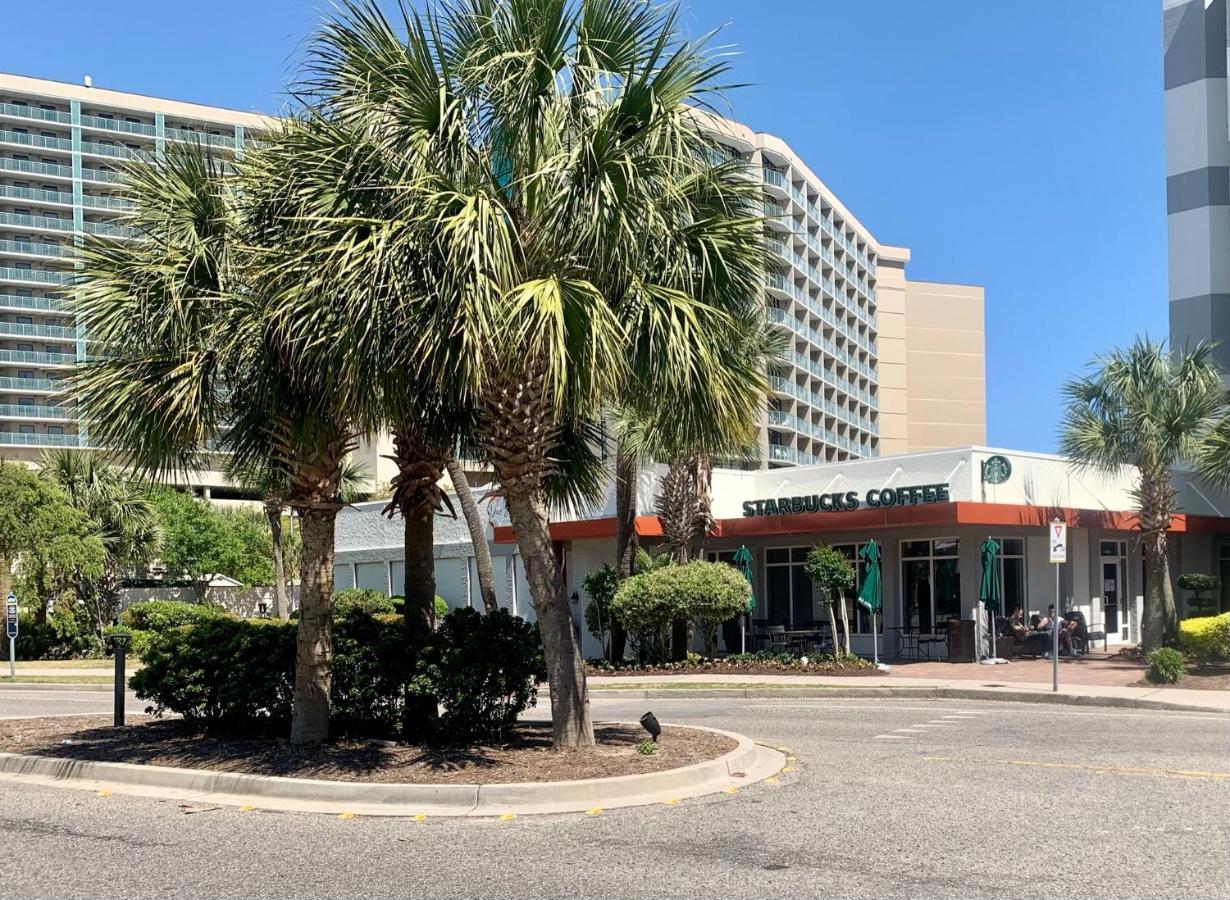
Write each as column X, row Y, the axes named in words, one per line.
column 1110, row 594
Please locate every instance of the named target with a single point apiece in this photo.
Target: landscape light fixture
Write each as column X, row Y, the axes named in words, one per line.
column 650, row 723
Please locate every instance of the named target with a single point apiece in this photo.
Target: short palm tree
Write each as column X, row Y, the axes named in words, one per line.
column 1147, row 407
column 185, row 361
column 555, row 209
column 121, row 512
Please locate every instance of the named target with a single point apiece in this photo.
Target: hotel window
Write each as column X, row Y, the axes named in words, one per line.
column 788, row 590
column 930, row 584
column 859, row 618
column 25, row 429
column 1012, row 571
column 54, row 429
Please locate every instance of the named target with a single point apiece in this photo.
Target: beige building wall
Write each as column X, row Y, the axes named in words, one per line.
column 891, row 299
column 946, row 383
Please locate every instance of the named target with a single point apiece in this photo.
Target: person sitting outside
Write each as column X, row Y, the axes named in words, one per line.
column 1064, row 626
column 1016, row 622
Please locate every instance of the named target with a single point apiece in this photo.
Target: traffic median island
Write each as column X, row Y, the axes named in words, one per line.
column 524, row 775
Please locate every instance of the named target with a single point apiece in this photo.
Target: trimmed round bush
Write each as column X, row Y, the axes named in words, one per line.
column 1206, row 638
column 361, row 600
column 646, row 613
column 1165, row 666
column 706, row 593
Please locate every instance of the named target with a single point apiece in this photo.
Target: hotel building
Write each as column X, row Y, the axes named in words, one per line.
column 61, row 147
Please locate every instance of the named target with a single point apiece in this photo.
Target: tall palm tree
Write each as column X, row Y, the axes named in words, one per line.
column 555, row 210
column 121, row 512
column 1147, row 407
column 186, row 361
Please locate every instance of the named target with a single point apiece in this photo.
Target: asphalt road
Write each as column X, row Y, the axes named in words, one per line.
column 909, row 799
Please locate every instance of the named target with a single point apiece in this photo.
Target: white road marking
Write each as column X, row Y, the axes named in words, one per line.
column 892, row 737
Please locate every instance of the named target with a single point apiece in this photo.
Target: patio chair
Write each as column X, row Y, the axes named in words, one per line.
column 779, row 641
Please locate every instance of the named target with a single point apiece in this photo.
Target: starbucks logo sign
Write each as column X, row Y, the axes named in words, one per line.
column 996, row 469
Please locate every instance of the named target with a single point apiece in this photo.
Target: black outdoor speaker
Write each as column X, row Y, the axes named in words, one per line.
column 650, row 723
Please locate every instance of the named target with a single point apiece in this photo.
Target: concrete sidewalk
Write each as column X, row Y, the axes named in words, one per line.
column 988, row 689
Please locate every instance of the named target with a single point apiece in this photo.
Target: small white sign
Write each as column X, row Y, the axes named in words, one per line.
column 1059, row 542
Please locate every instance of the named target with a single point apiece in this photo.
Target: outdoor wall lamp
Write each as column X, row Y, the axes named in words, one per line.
column 650, row 723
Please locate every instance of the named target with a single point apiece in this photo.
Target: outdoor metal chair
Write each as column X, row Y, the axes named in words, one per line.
column 779, row 641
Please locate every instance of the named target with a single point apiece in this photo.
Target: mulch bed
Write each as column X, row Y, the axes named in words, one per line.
column 721, row 668
column 527, row 755
column 1198, row 678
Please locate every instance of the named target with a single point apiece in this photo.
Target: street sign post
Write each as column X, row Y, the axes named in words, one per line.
column 10, row 628
column 1058, row 532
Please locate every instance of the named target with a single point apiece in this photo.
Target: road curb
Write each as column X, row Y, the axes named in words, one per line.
column 924, row 692
column 744, row 765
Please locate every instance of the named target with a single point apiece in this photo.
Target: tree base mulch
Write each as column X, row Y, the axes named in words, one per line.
column 526, row 756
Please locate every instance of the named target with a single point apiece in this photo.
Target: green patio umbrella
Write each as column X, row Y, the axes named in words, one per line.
column 743, row 562
column 871, row 593
column 990, row 591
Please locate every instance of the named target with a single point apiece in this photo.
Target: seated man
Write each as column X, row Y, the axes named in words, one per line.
column 1016, row 622
column 1050, row 621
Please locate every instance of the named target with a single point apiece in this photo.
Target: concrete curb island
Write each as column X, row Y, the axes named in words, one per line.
column 747, row 764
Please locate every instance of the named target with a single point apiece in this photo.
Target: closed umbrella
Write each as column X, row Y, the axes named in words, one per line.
column 743, row 562
column 989, row 591
column 871, row 593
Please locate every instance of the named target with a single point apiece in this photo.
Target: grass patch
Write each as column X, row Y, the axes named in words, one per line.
column 57, row 679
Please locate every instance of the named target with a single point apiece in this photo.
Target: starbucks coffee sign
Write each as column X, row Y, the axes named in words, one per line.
column 876, row 498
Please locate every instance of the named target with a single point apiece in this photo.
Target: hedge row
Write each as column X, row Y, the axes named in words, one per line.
column 1206, row 638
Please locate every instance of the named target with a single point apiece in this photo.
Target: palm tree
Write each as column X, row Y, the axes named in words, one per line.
column 121, row 512
column 186, row 360
column 552, row 233
column 478, row 533
column 1149, row 408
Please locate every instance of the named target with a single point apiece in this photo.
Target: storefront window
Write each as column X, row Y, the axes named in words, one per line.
column 1012, row 575
column 788, row 589
column 930, row 584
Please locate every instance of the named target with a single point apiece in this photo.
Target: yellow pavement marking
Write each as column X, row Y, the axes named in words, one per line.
column 669, row 802
column 346, row 815
column 593, row 812
column 771, row 780
column 788, row 769
column 508, row 817
column 246, row 808
column 420, row 818
column 104, row 793
column 792, row 759
column 783, row 749
column 1097, row 770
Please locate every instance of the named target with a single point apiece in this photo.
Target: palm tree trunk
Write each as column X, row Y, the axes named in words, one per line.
column 478, row 533
column 1158, row 625
column 273, row 513
column 314, row 645
column 420, row 557
column 571, row 723
column 625, row 511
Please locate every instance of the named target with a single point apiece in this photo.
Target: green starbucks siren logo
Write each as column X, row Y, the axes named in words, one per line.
column 996, row 469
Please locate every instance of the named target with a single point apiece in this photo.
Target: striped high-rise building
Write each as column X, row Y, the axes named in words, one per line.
column 1198, row 172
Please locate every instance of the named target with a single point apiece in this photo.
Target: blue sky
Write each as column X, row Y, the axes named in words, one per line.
column 1014, row 145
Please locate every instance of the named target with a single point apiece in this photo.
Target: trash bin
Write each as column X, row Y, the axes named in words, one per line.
column 961, row 642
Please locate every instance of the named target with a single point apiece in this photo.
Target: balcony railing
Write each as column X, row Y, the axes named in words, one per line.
column 21, row 111
column 32, row 385
column 22, row 220
column 28, row 411
column 119, row 125
column 31, row 248
column 114, row 150
column 36, row 276
column 19, row 329
column 43, row 304
column 26, row 166
column 35, row 140
column 16, row 439
column 36, row 358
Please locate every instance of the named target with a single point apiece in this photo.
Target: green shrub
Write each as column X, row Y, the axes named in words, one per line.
column 370, row 673
column 1202, row 588
column 441, row 609
column 222, row 673
column 646, row 614
column 1165, row 666
column 646, row 748
column 68, row 633
column 484, row 670
column 138, row 642
column 1206, row 638
column 360, row 600
column 705, row 593
column 163, row 615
